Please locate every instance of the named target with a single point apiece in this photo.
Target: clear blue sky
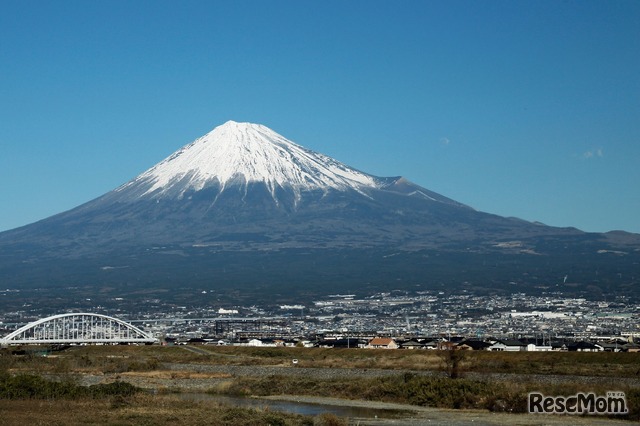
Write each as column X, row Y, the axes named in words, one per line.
column 519, row 108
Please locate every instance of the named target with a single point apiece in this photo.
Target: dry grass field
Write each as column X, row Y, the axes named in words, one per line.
column 109, row 359
column 490, row 381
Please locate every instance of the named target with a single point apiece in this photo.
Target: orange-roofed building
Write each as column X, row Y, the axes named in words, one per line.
column 382, row 343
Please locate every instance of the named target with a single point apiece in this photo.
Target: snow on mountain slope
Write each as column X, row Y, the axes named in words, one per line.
column 243, row 153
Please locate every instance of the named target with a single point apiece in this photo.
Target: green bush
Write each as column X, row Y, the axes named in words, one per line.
column 116, row 388
column 29, row 386
column 442, row 392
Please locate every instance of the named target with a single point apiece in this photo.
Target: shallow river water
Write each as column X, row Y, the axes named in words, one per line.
column 297, row 407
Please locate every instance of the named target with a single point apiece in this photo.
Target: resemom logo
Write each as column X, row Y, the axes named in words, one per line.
column 613, row 403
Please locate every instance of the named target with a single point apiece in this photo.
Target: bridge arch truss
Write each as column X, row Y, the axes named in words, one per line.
column 77, row 328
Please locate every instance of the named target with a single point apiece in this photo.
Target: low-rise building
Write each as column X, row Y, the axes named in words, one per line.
column 382, row 343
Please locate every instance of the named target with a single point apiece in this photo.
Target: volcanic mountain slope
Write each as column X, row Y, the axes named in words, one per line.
column 244, row 206
column 242, row 180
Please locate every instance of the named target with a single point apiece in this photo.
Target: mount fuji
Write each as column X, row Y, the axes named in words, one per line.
column 246, row 212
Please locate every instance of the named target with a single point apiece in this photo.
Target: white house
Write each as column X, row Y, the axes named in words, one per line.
column 507, row 346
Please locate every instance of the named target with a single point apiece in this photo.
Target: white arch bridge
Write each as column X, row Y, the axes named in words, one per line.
column 80, row 328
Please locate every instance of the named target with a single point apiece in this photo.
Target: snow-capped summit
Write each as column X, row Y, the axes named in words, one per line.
column 246, row 212
column 243, row 153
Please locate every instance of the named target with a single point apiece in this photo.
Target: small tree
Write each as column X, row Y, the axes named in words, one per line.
column 452, row 360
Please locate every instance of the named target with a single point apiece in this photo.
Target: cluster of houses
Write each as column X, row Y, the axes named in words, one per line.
column 454, row 343
column 508, row 345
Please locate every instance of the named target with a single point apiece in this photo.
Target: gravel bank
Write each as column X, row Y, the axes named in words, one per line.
column 333, row 373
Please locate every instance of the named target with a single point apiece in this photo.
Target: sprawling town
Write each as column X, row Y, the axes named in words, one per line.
column 423, row 320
